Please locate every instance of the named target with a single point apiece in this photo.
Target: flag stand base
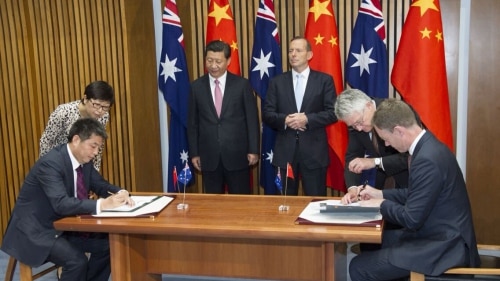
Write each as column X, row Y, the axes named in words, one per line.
column 182, row 206
column 283, row 208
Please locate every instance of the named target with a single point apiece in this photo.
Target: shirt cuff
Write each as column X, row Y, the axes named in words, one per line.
column 98, row 206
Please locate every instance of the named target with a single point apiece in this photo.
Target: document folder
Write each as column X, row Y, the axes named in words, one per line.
column 146, row 206
column 318, row 212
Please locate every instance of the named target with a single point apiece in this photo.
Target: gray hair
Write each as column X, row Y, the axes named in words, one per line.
column 349, row 102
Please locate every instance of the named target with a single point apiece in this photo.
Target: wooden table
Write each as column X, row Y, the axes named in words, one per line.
column 239, row 236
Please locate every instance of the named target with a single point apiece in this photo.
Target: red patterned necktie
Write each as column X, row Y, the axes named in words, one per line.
column 218, row 97
column 81, row 191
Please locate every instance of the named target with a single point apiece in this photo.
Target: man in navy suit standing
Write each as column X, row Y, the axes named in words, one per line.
column 223, row 125
column 299, row 105
column 434, row 211
column 51, row 191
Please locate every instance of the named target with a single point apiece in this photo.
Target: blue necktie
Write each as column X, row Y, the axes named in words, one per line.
column 299, row 90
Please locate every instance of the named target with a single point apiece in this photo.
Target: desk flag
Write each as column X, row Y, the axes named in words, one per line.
column 220, row 26
column 277, row 181
column 367, row 65
column 174, row 178
column 265, row 64
column 321, row 31
column 419, row 72
column 289, row 171
column 185, row 175
column 173, row 81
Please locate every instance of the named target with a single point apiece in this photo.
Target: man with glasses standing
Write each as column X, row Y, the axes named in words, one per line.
column 97, row 100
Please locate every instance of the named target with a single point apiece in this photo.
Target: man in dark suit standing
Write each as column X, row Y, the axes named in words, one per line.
column 434, row 211
column 365, row 149
column 223, row 125
column 57, row 186
column 299, row 105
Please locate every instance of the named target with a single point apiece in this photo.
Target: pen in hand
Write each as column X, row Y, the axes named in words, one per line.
column 361, row 189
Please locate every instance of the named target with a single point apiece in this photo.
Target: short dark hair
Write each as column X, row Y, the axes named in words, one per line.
column 100, row 90
column 391, row 113
column 219, row 46
column 308, row 44
column 85, row 128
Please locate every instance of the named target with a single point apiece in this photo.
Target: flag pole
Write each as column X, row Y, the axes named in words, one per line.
column 185, row 180
column 284, row 207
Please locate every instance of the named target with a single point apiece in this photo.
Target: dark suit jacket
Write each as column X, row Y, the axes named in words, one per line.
column 47, row 195
column 395, row 163
column 435, row 212
column 230, row 137
column 318, row 105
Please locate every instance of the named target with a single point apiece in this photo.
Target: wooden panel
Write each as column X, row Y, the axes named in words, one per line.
column 483, row 174
column 237, row 258
column 50, row 51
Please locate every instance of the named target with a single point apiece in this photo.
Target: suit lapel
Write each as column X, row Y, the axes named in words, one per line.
column 68, row 170
column 209, row 98
column 291, row 90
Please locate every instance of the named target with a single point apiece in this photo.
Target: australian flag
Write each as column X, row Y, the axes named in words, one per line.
column 265, row 64
column 173, row 81
column 367, row 64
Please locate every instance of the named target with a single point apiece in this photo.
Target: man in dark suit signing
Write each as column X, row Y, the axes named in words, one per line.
column 434, row 211
column 57, row 186
column 223, row 125
column 299, row 105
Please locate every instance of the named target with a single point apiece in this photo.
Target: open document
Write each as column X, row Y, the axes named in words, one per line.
column 144, row 206
column 334, row 212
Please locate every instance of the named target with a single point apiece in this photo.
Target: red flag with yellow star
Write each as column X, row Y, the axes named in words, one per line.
column 220, row 26
column 419, row 72
column 321, row 31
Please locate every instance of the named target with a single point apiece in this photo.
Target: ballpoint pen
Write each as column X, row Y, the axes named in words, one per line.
column 361, row 189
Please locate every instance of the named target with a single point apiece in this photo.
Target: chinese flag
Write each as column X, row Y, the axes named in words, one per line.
column 220, row 26
column 289, row 171
column 419, row 72
column 174, row 178
column 321, row 31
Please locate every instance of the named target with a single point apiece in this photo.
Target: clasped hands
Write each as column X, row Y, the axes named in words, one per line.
column 297, row 121
column 117, row 199
column 366, row 195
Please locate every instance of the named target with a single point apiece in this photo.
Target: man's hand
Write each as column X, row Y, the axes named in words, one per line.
column 358, row 165
column 116, row 200
column 369, row 192
column 252, row 159
column 196, row 162
column 372, row 202
column 351, row 196
column 297, row 121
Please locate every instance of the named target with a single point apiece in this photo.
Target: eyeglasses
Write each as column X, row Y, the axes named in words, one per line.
column 360, row 121
column 99, row 106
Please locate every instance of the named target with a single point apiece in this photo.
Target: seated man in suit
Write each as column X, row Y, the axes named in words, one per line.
column 57, row 186
column 434, row 210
